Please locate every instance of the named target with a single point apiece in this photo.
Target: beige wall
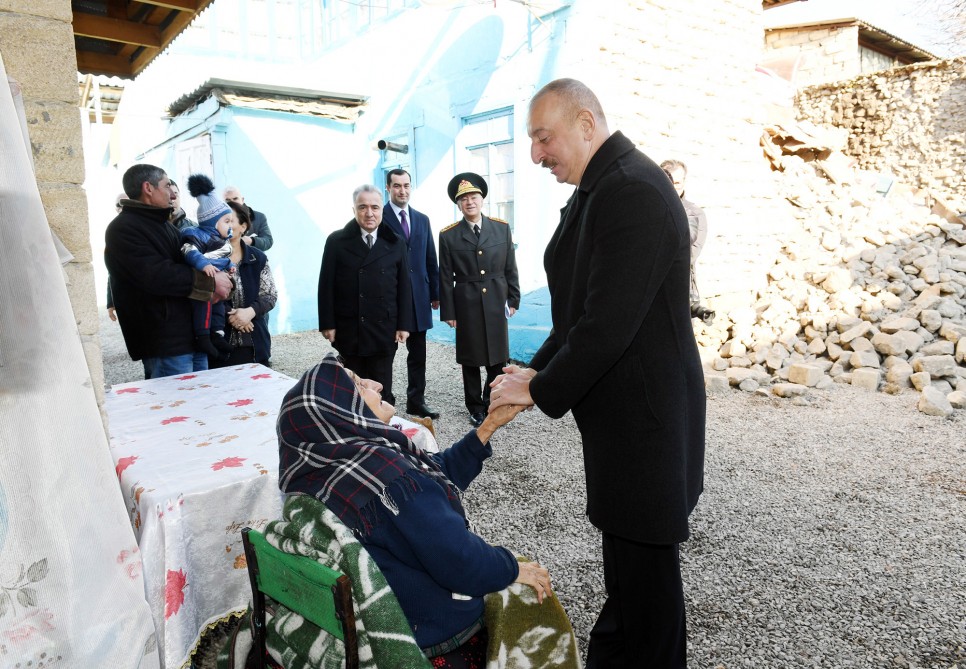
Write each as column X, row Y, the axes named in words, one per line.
column 37, row 45
column 909, row 120
column 827, row 54
column 688, row 90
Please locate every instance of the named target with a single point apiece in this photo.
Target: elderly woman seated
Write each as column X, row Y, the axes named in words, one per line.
column 404, row 506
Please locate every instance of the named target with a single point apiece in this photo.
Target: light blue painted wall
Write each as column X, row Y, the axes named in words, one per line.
column 301, row 170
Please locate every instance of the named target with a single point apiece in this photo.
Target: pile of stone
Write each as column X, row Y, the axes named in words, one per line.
column 868, row 290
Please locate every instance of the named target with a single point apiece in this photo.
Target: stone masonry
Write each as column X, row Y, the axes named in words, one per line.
column 910, row 121
column 869, row 291
column 828, row 53
column 37, row 45
column 668, row 86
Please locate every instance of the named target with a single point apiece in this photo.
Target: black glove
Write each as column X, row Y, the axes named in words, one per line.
column 203, row 345
column 221, row 343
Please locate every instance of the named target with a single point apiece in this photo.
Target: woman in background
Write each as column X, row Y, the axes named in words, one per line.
column 254, row 296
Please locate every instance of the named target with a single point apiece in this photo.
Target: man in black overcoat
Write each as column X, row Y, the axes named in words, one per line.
column 365, row 298
column 622, row 357
column 479, row 288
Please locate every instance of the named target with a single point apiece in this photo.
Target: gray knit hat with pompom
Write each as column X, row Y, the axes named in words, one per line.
column 210, row 207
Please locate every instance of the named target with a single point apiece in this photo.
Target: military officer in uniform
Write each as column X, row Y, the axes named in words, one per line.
column 479, row 289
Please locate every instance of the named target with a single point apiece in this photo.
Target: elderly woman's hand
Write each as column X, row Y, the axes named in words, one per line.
column 496, row 419
column 536, row 577
column 241, row 319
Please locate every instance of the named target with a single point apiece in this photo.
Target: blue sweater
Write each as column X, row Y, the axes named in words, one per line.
column 427, row 553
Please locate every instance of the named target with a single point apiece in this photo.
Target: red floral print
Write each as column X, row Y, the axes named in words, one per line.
column 174, row 592
column 124, row 463
column 228, row 462
column 174, row 419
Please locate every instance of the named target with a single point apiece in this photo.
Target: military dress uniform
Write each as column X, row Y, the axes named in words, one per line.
column 478, row 281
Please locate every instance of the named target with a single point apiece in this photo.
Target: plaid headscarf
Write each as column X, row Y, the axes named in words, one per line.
column 332, row 447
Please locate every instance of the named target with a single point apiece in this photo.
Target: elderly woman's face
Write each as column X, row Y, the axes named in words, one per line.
column 371, row 392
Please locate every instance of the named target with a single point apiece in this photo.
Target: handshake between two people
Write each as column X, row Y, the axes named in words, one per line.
column 509, row 395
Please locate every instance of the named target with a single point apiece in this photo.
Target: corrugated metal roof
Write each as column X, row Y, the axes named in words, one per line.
column 869, row 34
column 337, row 106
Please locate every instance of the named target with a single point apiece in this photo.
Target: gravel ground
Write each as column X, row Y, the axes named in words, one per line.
column 831, row 533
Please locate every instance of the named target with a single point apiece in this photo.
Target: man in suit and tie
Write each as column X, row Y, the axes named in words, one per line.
column 365, row 296
column 479, row 288
column 413, row 227
column 622, row 357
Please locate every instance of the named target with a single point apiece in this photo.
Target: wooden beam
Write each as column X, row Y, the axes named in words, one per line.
column 117, row 9
column 116, row 30
column 98, row 63
column 183, row 5
column 175, row 28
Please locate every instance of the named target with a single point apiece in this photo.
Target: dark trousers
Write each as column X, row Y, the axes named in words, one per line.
column 240, row 355
column 416, row 367
column 375, row 367
column 477, row 399
column 642, row 623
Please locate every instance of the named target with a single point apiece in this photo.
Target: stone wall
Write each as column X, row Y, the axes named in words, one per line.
column 684, row 87
column 37, row 45
column 910, row 121
column 827, row 53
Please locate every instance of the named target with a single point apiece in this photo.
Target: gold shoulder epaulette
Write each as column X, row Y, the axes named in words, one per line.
column 499, row 220
column 451, row 226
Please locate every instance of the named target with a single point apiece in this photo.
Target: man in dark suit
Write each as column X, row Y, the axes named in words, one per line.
column 479, row 289
column 622, row 357
column 365, row 298
column 413, row 227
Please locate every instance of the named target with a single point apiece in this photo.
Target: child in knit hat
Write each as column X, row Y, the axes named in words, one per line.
column 207, row 248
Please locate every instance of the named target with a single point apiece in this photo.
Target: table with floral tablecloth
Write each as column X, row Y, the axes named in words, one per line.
column 197, row 460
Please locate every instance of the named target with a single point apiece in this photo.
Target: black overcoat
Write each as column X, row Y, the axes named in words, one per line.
column 622, row 355
column 364, row 294
column 478, row 279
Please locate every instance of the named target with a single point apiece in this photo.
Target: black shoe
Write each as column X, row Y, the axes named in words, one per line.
column 476, row 419
column 420, row 409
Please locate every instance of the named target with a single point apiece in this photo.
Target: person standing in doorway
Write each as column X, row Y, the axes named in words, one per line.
column 413, row 227
column 622, row 357
column 479, row 288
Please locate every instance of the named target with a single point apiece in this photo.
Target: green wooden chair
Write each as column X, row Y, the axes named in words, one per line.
column 319, row 594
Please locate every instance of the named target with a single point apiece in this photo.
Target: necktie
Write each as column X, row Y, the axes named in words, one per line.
column 405, row 222
column 369, row 240
column 476, row 230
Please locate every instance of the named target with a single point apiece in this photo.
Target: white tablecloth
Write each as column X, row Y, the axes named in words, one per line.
column 197, row 460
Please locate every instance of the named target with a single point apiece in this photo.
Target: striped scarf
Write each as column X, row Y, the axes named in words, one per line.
column 332, row 447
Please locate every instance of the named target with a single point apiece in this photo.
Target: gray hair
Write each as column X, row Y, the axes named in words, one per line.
column 575, row 94
column 365, row 188
column 670, row 165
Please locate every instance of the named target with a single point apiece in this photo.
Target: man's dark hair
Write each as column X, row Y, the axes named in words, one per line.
column 137, row 175
column 241, row 211
column 398, row 172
